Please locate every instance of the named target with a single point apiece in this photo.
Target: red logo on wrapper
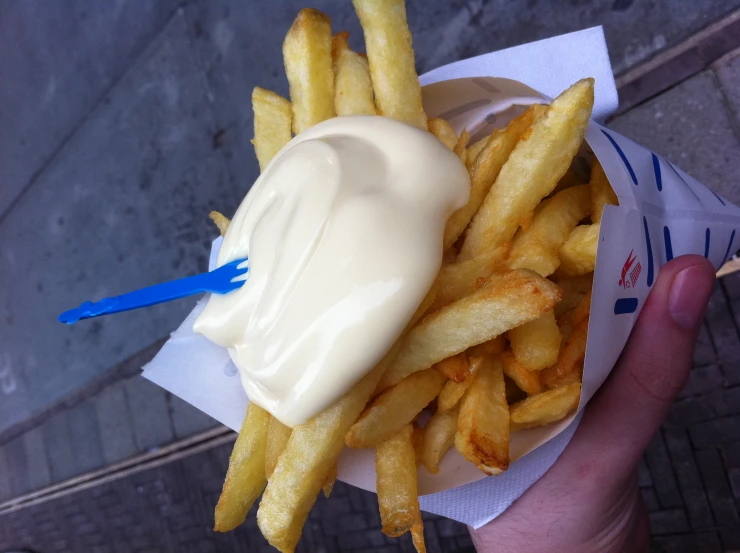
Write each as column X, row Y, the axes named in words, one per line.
column 630, row 274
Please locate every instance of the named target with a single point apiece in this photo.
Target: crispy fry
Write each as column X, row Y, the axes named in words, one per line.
column 535, row 166
column 461, row 145
column 453, row 391
column 221, row 220
column 484, row 171
column 578, row 254
column 443, row 131
column 277, row 438
column 574, row 288
column 582, row 310
column 398, row 499
column 544, row 408
column 417, row 536
column 526, row 380
column 456, row 368
column 601, row 192
column 245, row 478
column 537, row 247
column 571, row 356
column 494, row 346
column 457, row 280
column 392, row 67
column 394, row 408
column 439, row 437
column 272, row 119
column 353, row 89
column 506, row 301
column 536, row 344
column 331, row 479
column 307, row 57
column 483, row 424
column 474, row 150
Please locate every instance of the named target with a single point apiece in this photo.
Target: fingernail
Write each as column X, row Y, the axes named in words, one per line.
column 688, row 297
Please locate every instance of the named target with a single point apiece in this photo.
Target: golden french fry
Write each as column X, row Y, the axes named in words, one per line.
column 453, row 391
column 582, row 310
column 494, row 346
column 439, row 437
column 571, row 357
column 394, row 408
column 392, row 67
column 331, row 479
column 484, row 171
column 272, row 119
column 536, row 344
column 513, row 392
column 578, row 254
column 457, row 280
column 474, row 150
column 277, row 438
column 461, row 145
column 245, row 478
column 398, row 500
column 307, row 57
column 483, row 424
column 303, row 467
column 417, row 536
column 550, row 406
column 353, row 89
column 506, row 301
column 532, row 170
column 221, row 220
column 443, row 131
column 526, row 380
column 537, row 247
column 574, row 288
column 601, row 192
column 456, row 368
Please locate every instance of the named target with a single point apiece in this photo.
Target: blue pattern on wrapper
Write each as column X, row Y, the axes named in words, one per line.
column 667, row 242
column 658, row 176
column 651, row 273
column 625, row 305
column 729, row 247
column 707, row 236
column 621, row 154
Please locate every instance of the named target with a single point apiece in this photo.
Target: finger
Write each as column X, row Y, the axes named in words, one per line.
column 623, row 416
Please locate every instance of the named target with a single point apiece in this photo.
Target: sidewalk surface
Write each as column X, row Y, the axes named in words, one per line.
column 123, row 124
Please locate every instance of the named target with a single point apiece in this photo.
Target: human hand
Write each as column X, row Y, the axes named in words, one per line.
column 589, row 500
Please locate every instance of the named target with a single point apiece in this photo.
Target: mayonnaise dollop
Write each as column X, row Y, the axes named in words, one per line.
column 343, row 231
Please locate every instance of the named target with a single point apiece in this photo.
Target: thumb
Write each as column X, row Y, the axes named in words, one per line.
column 623, row 416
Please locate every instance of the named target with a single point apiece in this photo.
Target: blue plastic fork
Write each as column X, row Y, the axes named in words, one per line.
column 219, row 281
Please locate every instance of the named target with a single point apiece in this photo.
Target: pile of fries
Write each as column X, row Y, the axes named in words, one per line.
column 499, row 342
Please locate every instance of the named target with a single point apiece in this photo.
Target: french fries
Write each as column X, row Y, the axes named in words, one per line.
column 570, row 361
column 453, row 391
column 536, row 344
column 330, row 481
column 537, row 247
column 484, row 170
column 308, row 65
column 505, row 302
column 272, row 120
column 392, row 66
column 525, row 379
column 574, row 288
column 221, row 221
column 532, row 170
column 578, row 254
column 395, row 464
column 353, row 89
column 483, row 424
column 395, row 408
column 443, row 131
column 438, row 438
column 456, row 368
column 544, row 408
column 277, row 438
column 601, row 192
column 245, row 478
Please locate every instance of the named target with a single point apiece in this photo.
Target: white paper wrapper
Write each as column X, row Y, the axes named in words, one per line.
column 663, row 213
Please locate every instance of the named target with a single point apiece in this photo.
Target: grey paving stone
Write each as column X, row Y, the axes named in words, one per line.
column 15, row 453
column 726, row 401
column 85, row 435
column 702, row 380
column 717, row 431
column 116, row 428
column 58, row 60
column 689, row 479
column 650, row 499
column 718, row 489
column 643, row 474
column 668, row 522
column 704, row 353
column 728, row 73
column 707, row 542
column 734, row 476
column 149, row 413
column 59, row 447
column 123, row 205
column 663, row 478
column 731, row 454
column 691, row 127
column 5, row 490
column 39, row 474
column 186, row 419
column 691, row 410
column 724, row 333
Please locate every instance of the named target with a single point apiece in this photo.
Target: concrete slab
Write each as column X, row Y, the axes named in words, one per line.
column 122, row 206
column 84, row 432
column 690, row 125
column 728, row 72
column 114, row 419
column 38, row 464
column 59, row 447
column 58, row 59
column 151, row 424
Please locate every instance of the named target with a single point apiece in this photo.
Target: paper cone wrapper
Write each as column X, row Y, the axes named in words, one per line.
column 662, row 213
